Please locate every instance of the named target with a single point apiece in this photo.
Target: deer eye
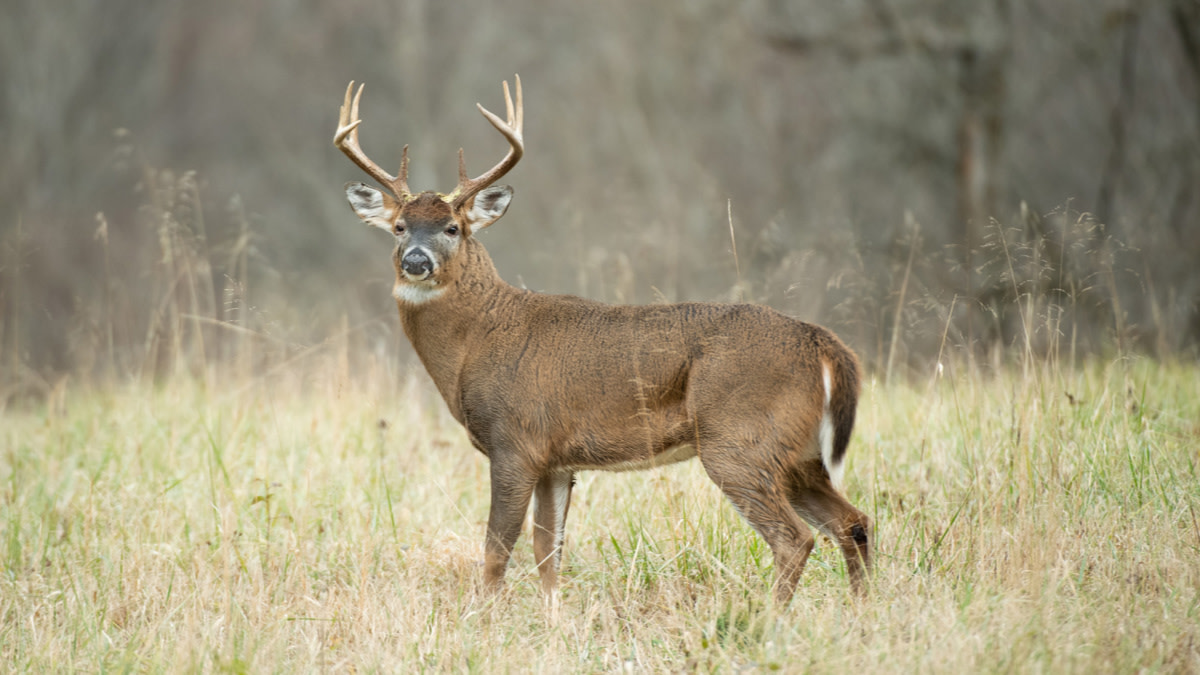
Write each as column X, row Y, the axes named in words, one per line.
column 398, row 228
column 452, row 230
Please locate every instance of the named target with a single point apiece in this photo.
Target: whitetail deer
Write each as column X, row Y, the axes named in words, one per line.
column 549, row 385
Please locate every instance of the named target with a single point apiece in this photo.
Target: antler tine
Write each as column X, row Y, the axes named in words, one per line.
column 513, row 130
column 508, row 104
column 402, row 179
column 346, row 140
column 520, row 103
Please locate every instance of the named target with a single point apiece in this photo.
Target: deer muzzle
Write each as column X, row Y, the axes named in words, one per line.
column 417, row 263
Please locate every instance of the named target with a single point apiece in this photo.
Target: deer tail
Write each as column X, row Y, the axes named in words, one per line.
column 840, row 380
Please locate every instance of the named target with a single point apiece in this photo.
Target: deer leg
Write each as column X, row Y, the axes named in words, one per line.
column 551, row 499
column 511, row 491
column 818, row 502
column 764, row 505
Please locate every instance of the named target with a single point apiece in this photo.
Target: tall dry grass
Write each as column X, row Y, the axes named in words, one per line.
column 1036, row 521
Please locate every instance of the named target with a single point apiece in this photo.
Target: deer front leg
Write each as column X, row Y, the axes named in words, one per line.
column 512, row 486
column 551, row 499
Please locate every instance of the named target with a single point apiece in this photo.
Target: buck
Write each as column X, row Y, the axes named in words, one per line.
column 551, row 385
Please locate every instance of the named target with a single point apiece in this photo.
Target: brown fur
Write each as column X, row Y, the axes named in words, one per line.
column 552, row 384
column 549, row 385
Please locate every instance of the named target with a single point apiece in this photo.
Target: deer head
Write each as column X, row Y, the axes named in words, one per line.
column 430, row 227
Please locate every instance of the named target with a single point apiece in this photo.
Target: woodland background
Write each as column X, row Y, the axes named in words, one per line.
column 922, row 175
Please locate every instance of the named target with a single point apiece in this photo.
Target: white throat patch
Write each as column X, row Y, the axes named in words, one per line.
column 416, row 294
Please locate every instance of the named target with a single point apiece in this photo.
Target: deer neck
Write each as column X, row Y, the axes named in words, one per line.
column 445, row 328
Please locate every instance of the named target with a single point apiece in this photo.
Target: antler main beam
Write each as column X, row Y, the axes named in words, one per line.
column 512, row 130
column 346, row 140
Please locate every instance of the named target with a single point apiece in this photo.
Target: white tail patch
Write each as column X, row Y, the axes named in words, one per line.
column 825, row 431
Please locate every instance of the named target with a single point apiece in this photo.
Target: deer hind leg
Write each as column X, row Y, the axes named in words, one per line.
column 818, row 502
column 511, row 491
column 551, row 499
column 762, row 501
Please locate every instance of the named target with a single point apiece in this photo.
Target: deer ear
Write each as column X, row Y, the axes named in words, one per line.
column 488, row 206
column 374, row 207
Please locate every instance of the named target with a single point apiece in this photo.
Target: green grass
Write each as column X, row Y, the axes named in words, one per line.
column 1042, row 522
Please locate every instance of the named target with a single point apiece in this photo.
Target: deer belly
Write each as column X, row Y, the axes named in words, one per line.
column 671, row 455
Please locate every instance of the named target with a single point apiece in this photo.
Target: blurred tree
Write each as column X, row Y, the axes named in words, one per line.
column 861, row 147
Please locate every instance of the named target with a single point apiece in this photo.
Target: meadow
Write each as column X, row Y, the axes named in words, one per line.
column 218, row 455
column 1031, row 519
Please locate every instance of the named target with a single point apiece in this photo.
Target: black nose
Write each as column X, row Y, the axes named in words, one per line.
column 416, row 263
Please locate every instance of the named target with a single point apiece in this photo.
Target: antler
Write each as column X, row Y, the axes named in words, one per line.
column 346, row 140
column 468, row 188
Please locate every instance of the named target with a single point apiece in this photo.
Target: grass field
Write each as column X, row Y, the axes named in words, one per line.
column 1037, row 521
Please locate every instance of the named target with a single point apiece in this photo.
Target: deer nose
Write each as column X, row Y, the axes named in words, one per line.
column 416, row 263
